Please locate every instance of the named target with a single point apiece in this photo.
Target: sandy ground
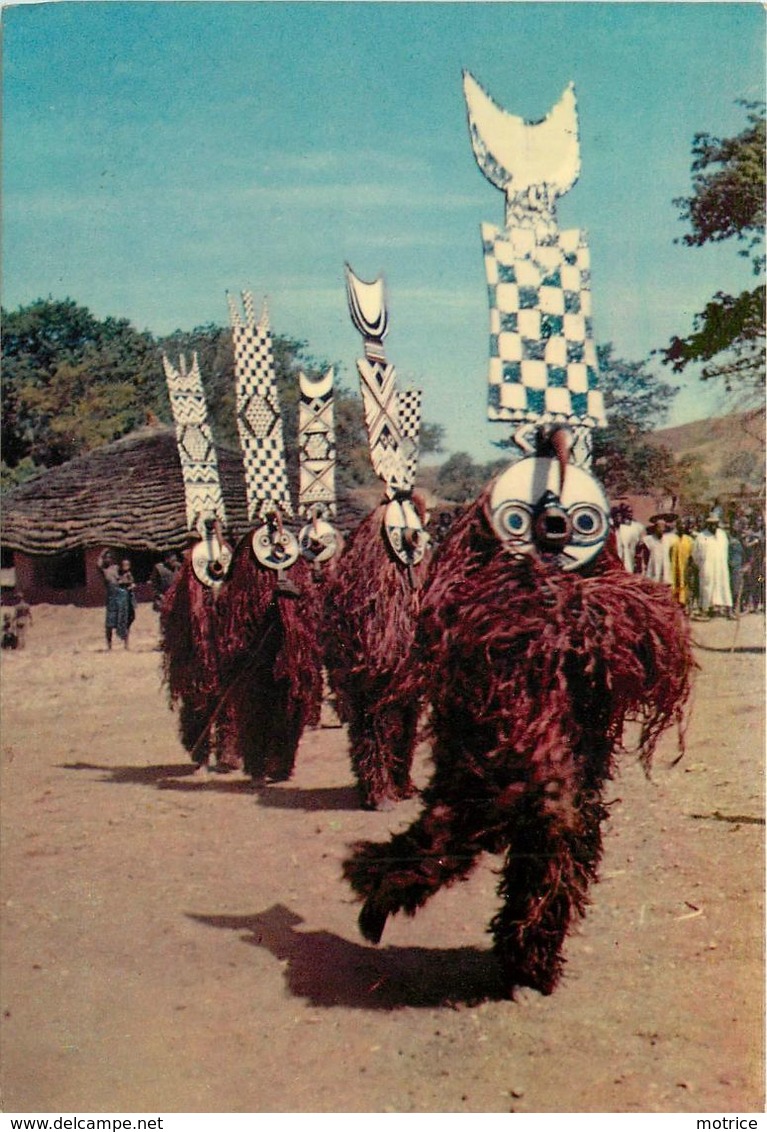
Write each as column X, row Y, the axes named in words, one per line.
column 176, row 943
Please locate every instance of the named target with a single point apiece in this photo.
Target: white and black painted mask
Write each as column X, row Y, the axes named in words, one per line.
column 559, row 515
column 405, row 531
column 318, row 540
column 274, row 546
column 211, row 558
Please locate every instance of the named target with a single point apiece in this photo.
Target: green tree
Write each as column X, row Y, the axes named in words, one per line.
column 728, row 202
column 213, row 345
column 460, row 480
column 632, row 393
column 71, row 382
column 626, row 458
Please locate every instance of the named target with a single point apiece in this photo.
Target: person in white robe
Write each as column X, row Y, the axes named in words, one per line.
column 628, row 533
column 658, row 543
column 709, row 554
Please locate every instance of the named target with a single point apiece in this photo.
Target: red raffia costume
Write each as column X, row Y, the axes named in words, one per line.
column 271, row 682
column 373, row 597
column 530, row 673
column 190, row 616
column 372, row 609
column 240, row 634
column 271, row 661
column 534, row 646
column 190, row 632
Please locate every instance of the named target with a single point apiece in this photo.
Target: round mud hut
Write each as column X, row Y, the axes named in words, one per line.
column 129, row 496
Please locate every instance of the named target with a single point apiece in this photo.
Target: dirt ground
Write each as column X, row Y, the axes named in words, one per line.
column 176, row 943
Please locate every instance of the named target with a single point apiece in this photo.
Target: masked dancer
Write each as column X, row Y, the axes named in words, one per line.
column 535, row 644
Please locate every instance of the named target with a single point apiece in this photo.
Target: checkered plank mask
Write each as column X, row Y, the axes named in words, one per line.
column 259, row 424
column 258, row 412
column 543, row 363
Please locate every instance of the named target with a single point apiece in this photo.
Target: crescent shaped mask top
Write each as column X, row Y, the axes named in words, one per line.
column 515, row 154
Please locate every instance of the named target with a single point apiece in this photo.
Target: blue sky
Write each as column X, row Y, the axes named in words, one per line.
column 157, row 154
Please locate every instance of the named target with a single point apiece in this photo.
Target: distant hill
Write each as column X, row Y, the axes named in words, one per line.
column 731, row 449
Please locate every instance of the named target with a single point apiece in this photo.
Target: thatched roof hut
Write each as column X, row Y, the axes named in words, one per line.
column 128, row 495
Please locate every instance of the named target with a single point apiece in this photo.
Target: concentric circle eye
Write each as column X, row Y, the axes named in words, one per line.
column 589, row 523
column 210, row 561
column 515, row 520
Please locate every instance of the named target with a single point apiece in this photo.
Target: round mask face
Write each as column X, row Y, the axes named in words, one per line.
column 210, row 561
column 528, row 512
column 318, row 541
column 405, row 532
column 275, row 549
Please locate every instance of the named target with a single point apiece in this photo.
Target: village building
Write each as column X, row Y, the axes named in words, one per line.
column 129, row 496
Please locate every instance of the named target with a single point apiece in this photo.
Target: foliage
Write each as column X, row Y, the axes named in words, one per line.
column 72, row 382
column 460, row 480
column 727, row 202
column 636, row 402
column 728, row 198
column 729, row 336
column 26, row 469
column 632, row 393
column 626, row 458
column 745, row 465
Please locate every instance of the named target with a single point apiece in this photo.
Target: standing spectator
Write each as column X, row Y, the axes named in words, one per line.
column 22, row 619
column 163, row 577
column 753, row 587
column 628, row 533
column 710, row 556
column 692, row 530
column 658, row 542
column 8, row 639
column 736, row 564
column 759, row 528
column 119, row 602
column 126, row 581
column 681, row 560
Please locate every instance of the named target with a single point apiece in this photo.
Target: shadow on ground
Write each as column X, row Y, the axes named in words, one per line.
column 328, row 970
column 186, row 777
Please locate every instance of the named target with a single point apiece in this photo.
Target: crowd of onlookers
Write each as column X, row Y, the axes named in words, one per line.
column 714, row 560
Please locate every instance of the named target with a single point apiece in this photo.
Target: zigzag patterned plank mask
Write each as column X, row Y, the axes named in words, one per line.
column 317, row 458
column 259, row 424
column 543, row 360
column 199, row 467
column 392, row 419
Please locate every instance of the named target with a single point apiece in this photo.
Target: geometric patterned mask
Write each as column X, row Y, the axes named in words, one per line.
column 316, row 447
column 392, row 418
column 199, row 464
column 534, row 510
column 543, row 363
column 258, row 413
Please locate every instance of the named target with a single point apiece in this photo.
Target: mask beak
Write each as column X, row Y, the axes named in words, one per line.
column 562, row 442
